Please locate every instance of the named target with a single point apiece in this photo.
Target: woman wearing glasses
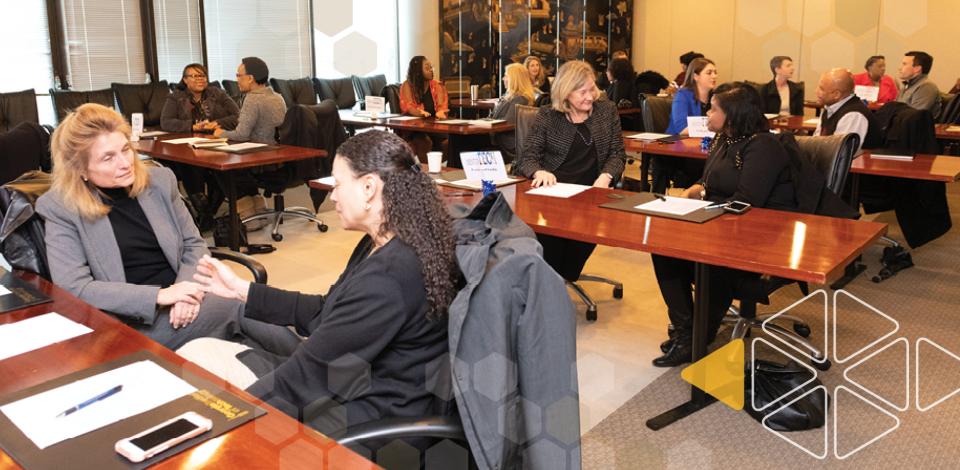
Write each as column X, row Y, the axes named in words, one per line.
column 197, row 107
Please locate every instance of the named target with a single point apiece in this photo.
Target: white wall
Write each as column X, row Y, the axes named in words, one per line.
column 419, row 31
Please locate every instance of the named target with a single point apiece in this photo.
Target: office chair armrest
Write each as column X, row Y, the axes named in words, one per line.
column 256, row 268
column 441, row 427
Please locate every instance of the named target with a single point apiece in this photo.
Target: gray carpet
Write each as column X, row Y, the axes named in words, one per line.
column 923, row 299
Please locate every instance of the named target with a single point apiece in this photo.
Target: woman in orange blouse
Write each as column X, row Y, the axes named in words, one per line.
column 422, row 96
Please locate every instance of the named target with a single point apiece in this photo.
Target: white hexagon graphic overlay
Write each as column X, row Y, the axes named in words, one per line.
column 753, row 376
column 896, row 326
column 836, row 407
column 768, row 326
column 820, row 455
column 331, row 18
column 759, row 16
column 906, row 374
column 917, row 376
column 355, row 54
column 904, row 18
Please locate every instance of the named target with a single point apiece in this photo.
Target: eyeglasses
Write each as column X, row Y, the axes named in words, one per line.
column 242, row 74
column 195, row 76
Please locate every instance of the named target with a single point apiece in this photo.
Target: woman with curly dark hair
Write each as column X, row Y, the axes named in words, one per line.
column 369, row 340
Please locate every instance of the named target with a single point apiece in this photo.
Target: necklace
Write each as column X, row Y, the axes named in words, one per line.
column 587, row 142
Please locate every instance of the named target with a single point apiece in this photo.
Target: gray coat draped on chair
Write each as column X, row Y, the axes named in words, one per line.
column 513, row 346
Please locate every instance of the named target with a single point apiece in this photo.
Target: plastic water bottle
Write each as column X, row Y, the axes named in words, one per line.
column 705, row 143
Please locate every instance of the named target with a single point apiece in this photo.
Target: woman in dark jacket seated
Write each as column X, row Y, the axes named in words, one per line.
column 371, row 338
column 575, row 140
column 623, row 87
column 746, row 163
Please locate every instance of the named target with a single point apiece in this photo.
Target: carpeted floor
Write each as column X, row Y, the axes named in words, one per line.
column 923, row 299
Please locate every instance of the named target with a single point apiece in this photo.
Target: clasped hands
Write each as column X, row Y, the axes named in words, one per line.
column 206, row 126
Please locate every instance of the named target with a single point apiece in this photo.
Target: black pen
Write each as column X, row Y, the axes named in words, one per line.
column 80, row 406
column 660, row 197
column 459, row 194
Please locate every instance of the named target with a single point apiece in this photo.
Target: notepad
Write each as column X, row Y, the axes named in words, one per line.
column 562, row 190
column 240, row 147
column 146, row 386
column 152, row 134
column 4, row 291
column 208, row 143
column 953, row 128
column 404, row 118
column 771, row 115
column 648, row 136
column 37, row 332
column 186, row 140
column 453, row 122
column 674, row 205
column 485, row 122
column 812, row 121
column 902, row 158
column 327, row 180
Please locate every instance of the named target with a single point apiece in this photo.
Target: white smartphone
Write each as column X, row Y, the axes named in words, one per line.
column 737, row 207
column 163, row 436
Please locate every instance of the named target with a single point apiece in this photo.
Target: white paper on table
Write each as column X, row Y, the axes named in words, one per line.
column 4, row 291
column 953, row 128
column 146, row 386
column 866, row 92
column 771, row 115
column 37, row 332
column 240, row 146
column 153, row 134
column 697, row 127
column 453, row 122
column 489, row 100
column 474, row 184
column 563, row 190
column 674, row 205
column 186, row 140
column 327, row 180
column 648, row 136
column 405, row 118
column 812, row 121
column 902, row 158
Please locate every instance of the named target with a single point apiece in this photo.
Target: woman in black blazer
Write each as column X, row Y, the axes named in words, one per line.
column 575, row 140
column 746, row 163
column 371, row 338
column 781, row 87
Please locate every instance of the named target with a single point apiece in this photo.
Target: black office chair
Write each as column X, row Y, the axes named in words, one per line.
column 65, row 101
column 18, row 107
column 832, row 157
column 233, row 90
column 294, row 92
column 22, row 229
column 391, row 94
column 525, row 117
column 215, row 84
column 24, row 148
column 316, row 126
column 339, row 90
column 147, row 99
column 542, row 99
column 655, row 111
column 369, row 86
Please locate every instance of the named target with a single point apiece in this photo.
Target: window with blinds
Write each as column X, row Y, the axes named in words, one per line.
column 277, row 31
column 104, row 43
column 178, row 36
column 26, row 47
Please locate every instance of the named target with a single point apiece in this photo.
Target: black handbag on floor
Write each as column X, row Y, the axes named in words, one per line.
column 772, row 381
column 221, row 232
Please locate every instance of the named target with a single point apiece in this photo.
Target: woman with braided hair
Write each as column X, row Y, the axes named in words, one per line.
column 369, row 340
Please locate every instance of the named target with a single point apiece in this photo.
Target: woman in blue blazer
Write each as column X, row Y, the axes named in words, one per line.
column 692, row 99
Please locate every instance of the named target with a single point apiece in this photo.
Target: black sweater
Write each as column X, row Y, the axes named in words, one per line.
column 369, row 343
column 763, row 179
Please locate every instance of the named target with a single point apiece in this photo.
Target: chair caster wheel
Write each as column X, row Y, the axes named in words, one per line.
column 802, row 329
column 322, row 227
column 822, row 366
column 591, row 315
column 618, row 292
column 277, row 237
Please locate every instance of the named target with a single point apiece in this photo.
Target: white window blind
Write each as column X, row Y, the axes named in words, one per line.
column 26, row 47
column 178, row 36
column 277, row 32
column 104, row 43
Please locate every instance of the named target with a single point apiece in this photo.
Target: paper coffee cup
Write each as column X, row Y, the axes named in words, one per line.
column 474, row 91
column 434, row 160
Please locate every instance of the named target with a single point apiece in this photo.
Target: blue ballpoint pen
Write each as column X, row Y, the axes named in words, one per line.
column 108, row 393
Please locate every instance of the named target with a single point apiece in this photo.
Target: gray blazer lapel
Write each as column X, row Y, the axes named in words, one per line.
column 167, row 236
column 101, row 241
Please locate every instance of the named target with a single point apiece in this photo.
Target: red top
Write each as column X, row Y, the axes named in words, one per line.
column 408, row 104
column 888, row 89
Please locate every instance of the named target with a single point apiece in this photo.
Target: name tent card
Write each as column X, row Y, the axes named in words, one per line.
column 479, row 166
column 869, row 93
column 375, row 105
column 697, row 127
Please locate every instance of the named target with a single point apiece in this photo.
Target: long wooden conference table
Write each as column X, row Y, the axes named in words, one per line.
column 273, row 440
column 225, row 165
column 761, row 241
column 807, row 125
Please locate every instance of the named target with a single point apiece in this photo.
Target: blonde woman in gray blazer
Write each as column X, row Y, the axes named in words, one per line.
column 119, row 237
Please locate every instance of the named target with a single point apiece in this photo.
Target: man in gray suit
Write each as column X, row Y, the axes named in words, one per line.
column 917, row 90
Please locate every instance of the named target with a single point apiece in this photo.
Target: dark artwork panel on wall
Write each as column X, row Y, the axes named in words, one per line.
column 479, row 37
